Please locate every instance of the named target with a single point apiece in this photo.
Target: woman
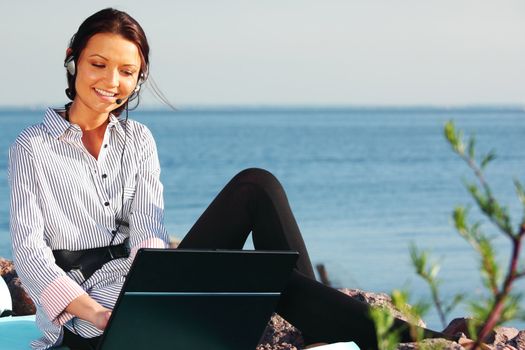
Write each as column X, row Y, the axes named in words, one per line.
column 85, row 182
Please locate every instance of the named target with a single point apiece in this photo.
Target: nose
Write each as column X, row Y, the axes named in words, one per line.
column 112, row 77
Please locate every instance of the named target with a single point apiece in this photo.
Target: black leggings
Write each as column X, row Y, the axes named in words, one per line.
column 254, row 201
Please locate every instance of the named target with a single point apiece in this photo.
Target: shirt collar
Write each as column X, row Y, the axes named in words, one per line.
column 116, row 122
column 57, row 125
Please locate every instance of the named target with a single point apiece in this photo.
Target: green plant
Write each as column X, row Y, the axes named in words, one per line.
column 387, row 337
column 502, row 304
column 428, row 271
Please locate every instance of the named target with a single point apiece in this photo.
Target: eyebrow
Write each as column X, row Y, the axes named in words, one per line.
column 99, row 56
column 129, row 64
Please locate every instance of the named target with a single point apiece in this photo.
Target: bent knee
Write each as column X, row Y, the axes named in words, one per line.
column 257, row 176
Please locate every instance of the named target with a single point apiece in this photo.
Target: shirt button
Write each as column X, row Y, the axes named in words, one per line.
column 104, row 176
column 106, row 204
column 114, row 231
column 106, row 145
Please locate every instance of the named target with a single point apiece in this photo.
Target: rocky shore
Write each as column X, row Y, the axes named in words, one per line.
column 279, row 334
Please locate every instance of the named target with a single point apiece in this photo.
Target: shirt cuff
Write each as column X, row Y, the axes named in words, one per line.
column 148, row 243
column 57, row 296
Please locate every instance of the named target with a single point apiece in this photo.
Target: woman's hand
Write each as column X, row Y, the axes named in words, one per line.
column 88, row 309
column 101, row 318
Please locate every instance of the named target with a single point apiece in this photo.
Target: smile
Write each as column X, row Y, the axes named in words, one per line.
column 105, row 93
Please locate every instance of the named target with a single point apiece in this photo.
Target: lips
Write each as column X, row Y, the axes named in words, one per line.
column 104, row 94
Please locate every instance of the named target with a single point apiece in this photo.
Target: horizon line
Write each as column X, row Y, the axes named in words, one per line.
column 292, row 106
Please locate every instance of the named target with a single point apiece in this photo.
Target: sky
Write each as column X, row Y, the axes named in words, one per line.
column 287, row 52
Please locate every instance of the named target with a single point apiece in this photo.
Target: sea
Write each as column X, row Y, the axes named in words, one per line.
column 363, row 182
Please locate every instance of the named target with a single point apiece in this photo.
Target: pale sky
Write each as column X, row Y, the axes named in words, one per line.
column 287, row 52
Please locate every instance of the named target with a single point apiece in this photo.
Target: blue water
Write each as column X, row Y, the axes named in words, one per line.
column 363, row 183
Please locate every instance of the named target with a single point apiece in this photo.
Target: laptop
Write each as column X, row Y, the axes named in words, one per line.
column 197, row 299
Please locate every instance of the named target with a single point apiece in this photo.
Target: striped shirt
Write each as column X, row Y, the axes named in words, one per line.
column 64, row 198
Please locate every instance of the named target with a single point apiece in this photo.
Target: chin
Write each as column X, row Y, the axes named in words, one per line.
column 96, row 105
column 102, row 109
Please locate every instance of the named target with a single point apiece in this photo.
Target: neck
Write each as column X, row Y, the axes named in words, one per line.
column 85, row 117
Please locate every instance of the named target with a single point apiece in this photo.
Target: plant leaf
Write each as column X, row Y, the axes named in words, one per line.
column 458, row 298
column 434, row 270
column 460, row 220
column 387, row 338
column 471, row 147
column 418, row 259
column 520, row 191
column 489, row 157
column 455, row 139
column 450, row 132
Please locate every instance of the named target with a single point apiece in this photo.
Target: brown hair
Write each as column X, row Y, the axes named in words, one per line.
column 111, row 21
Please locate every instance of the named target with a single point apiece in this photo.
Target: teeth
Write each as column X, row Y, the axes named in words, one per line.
column 105, row 93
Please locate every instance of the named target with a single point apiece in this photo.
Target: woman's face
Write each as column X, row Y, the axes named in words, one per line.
column 107, row 69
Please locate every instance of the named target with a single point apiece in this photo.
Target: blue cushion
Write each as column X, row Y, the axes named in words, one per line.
column 16, row 333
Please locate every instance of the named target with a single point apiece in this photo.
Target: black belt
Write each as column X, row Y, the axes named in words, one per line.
column 90, row 260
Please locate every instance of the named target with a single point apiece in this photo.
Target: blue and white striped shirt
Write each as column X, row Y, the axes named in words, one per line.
column 64, row 198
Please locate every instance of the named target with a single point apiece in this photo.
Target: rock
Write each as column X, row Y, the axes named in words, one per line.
column 502, row 338
column 378, row 300
column 22, row 303
column 282, row 346
column 504, row 347
column 519, row 341
column 174, row 242
column 438, row 343
column 503, row 335
column 280, row 335
column 7, row 269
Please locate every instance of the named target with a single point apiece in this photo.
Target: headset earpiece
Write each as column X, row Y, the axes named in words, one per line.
column 70, row 65
column 139, row 83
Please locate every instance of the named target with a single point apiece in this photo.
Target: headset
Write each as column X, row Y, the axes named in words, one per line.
column 71, row 68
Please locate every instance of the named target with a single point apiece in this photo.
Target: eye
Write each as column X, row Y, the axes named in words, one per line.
column 97, row 65
column 127, row 72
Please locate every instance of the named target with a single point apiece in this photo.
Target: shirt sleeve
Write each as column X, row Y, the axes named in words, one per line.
column 147, row 211
column 47, row 284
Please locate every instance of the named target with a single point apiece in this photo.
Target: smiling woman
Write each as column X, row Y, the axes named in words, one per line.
column 115, row 43
column 107, row 69
column 85, row 182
